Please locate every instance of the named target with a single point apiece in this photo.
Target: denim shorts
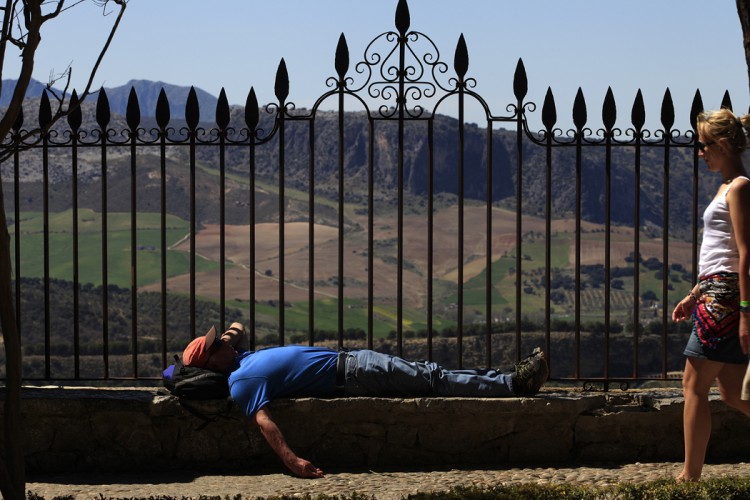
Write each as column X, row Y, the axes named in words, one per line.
column 729, row 351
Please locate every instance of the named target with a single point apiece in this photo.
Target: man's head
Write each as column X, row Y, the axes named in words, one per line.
column 210, row 352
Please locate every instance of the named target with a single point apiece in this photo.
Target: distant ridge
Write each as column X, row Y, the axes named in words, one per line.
column 146, row 90
column 35, row 90
column 148, row 94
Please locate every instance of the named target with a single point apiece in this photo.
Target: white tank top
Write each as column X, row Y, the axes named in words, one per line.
column 719, row 249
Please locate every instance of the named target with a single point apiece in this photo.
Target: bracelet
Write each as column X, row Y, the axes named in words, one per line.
column 744, row 306
column 744, row 303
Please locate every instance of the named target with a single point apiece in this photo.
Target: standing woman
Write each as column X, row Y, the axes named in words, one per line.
column 720, row 340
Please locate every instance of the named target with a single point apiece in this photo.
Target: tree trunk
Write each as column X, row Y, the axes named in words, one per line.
column 743, row 11
column 12, row 470
column 12, row 474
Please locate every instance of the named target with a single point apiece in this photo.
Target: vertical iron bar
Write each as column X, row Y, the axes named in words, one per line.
column 696, row 169
column 401, row 103
column 282, row 245
column 105, row 251
column 637, row 254
column 579, row 168
column 370, row 231
column 430, row 230
column 45, row 208
column 76, row 292
column 341, row 218
column 133, row 256
column 192, row 140
column 665, row 260
column 311, row 238
column 222, row 230
column 607, row 246
column 548, row 248
column 163, row 241
column 251, row 240
column 519, row 214
column 17, row 224
column 488, row 251
column 460, row 268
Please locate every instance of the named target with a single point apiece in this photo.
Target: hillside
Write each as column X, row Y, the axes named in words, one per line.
column 416, row 160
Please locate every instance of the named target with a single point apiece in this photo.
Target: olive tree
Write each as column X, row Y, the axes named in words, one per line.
column 23, row 21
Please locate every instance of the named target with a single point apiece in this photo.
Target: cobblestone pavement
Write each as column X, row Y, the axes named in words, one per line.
column 382, row 485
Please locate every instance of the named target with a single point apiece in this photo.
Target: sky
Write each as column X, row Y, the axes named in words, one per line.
column 625, row 45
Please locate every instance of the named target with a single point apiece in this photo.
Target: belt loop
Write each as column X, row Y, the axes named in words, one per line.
column 341, row 369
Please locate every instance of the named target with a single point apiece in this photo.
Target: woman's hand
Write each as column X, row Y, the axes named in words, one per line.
column 684, row 309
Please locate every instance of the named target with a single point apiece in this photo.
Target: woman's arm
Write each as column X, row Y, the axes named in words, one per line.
column 738, row 200
column 684, row 309
column 275, row 439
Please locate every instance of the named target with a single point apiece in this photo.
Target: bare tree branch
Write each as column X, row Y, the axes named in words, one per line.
column 5, row 35
column 54, row 13
column 743, row 11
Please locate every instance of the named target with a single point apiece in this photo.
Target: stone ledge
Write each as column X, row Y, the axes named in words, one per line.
column 138, row 429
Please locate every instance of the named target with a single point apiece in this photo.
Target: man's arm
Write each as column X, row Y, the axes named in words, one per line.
column 275, row 438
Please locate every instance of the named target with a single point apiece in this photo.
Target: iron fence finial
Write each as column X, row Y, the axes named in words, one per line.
column 461, row 59
column 342, row 58
column 75, row 117
column 222, row 111
column 638, row 114
column 133, row 111
column 667, row 111
column 102, row 110
column 192, row 110
column 162, row 110
column 281, row 87
column 403, row 19
column 251, row 110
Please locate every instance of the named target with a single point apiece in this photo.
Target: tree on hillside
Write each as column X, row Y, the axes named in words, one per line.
column 21, row 37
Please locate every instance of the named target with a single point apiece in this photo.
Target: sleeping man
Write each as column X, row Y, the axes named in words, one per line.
column 258, row 377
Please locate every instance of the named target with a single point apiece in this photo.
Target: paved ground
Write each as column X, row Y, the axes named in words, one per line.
column 380, row 484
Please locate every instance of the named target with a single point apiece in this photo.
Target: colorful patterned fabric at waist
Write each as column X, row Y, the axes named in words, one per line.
column 717, row 312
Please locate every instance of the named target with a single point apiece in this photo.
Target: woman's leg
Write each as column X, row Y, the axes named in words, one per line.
column 696, row 383
column 730, row 385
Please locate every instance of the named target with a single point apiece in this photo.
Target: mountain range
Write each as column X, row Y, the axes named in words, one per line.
column 147, row 91
column 416, row 158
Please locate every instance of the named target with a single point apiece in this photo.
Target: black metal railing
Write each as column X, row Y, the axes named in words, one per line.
column 390, row 110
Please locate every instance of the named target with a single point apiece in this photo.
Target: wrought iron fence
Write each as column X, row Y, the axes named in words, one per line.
column 498, row 292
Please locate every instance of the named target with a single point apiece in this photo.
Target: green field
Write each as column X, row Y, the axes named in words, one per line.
column 148, row 244
column 445, row 292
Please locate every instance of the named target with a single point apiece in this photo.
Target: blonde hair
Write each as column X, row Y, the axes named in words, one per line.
column 723, row 124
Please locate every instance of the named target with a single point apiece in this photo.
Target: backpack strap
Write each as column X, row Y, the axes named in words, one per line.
column 207, row 419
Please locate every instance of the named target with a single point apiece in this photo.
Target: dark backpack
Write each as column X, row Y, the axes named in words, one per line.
column 191, row 383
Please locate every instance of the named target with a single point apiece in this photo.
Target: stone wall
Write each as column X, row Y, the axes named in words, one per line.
column 84, row 429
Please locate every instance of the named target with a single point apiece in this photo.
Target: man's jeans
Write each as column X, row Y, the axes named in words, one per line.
column 370, row 373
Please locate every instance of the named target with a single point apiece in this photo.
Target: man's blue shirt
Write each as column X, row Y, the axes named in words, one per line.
column 282, row 372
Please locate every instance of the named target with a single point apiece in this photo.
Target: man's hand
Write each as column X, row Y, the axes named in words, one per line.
column 275, row 439
column 303, row 468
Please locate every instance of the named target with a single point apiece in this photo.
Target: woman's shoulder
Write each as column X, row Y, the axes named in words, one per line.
column 740, row 183
column 739, row 190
